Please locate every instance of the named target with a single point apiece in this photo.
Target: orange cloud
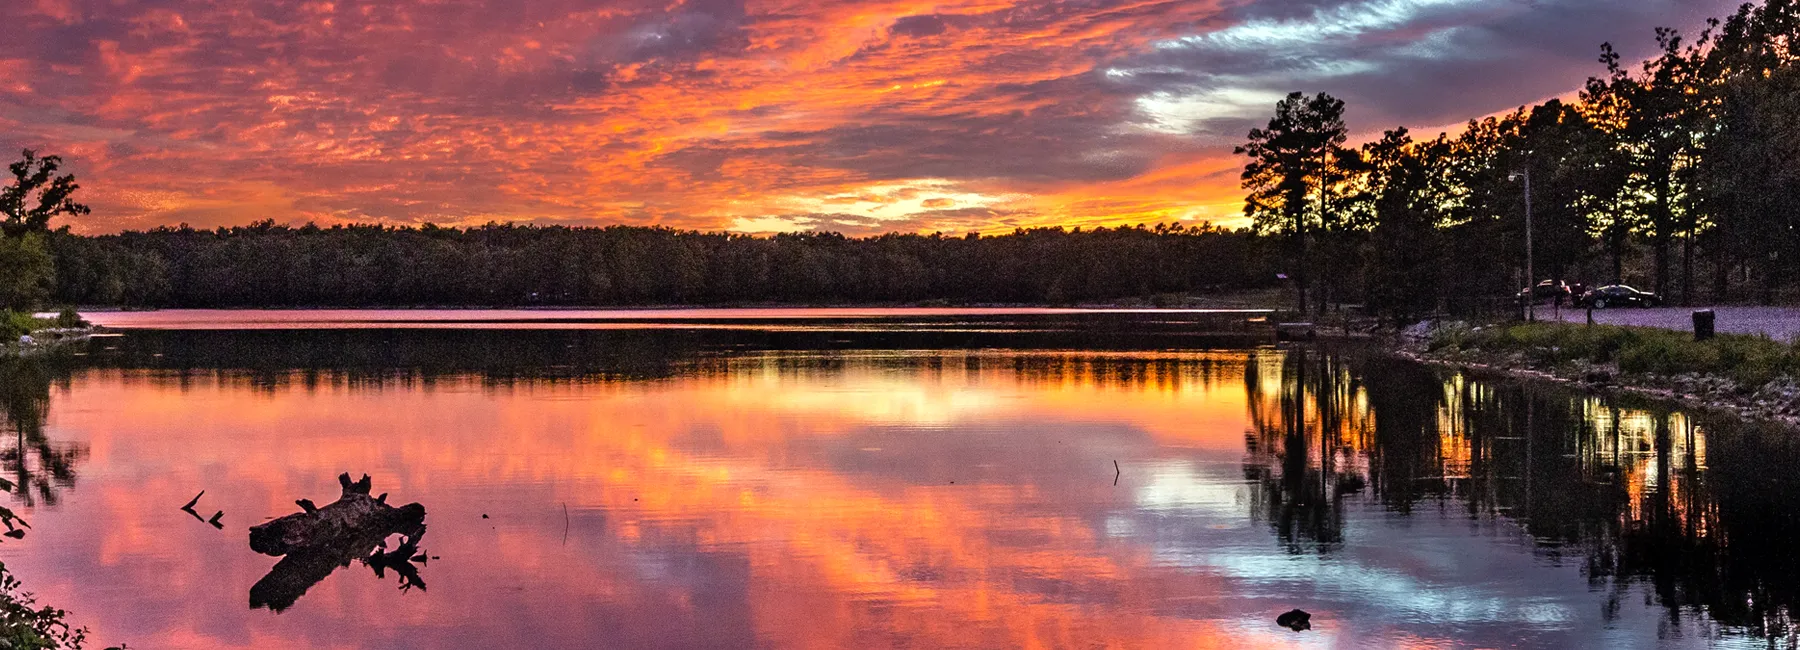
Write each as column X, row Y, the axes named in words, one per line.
column 742, row 114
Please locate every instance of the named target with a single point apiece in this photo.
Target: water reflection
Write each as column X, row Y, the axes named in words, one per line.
column 1629, row 492
column 37, row 466
column 1306, row 449
column 712, row 490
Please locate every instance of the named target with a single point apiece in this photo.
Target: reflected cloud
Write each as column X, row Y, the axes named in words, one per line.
column 712, row 496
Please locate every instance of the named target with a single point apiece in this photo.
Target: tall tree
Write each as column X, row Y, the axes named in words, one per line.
column 1657, row 128
column 1557, row 144
column 1748, row 180
column 1407, row 189
column 36, row 195
column 1294, row 164
column 27, row 271
column 1606, row 179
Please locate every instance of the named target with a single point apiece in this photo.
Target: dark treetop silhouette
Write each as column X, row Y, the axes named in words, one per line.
column 1692, row 157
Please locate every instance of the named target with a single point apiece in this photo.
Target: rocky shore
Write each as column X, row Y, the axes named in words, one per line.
column 47, row 340
column 1777, row 399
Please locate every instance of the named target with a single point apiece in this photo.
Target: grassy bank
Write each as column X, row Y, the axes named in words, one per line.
column 1749, row 361
column 14, row 324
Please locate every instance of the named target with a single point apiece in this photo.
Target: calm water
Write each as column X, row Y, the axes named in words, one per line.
column 665, row 487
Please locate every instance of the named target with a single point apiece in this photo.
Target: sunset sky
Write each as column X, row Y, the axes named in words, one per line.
column 748, row 115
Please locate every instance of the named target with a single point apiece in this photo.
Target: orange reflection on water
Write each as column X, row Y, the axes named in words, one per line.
column 783, row 500
column 1660, row 459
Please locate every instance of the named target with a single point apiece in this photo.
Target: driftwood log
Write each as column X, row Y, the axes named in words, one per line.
column 319, row 540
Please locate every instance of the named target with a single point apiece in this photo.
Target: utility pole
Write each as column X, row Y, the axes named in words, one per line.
column 1530, row 274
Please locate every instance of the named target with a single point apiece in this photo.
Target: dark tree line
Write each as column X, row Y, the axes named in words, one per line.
column 1682, row 174
column 272, row 265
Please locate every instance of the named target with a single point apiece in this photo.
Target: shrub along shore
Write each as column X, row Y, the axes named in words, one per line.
column 1753, row 376
column 22, row 332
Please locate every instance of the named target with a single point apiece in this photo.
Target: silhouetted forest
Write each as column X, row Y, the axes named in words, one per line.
column 268, row 265
column 1681, row 174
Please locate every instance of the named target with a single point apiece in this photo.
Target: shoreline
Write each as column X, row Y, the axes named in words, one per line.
column 1777, row 400
column 47, row 341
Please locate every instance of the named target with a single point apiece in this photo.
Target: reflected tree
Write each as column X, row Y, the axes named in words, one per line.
column 1697, row 512
column 37, row 466
column 1302, row 457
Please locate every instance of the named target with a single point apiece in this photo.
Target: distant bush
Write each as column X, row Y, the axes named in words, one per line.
column 1452, row 335
column 68, row 318
column 14, row 324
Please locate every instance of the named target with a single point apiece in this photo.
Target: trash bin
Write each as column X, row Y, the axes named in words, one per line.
column 1703, row 324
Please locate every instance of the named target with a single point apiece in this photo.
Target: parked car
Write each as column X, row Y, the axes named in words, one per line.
column 1548, row 291
column 1618, row 295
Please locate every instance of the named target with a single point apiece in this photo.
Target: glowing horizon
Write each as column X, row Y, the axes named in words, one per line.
column 745, row 115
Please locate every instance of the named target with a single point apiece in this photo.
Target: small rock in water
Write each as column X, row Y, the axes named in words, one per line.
column 1296, row 620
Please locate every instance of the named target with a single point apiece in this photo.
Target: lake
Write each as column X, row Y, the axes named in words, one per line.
column 903, row 479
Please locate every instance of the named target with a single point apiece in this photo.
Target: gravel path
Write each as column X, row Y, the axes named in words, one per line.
column 1779, row 323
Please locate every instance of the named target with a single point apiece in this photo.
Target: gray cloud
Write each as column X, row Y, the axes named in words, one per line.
column 921, row 25
column 690, row 29
column 1417, row 62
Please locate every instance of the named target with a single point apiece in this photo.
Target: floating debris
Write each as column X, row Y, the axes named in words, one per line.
column 1296, row 620
column 319, row 540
